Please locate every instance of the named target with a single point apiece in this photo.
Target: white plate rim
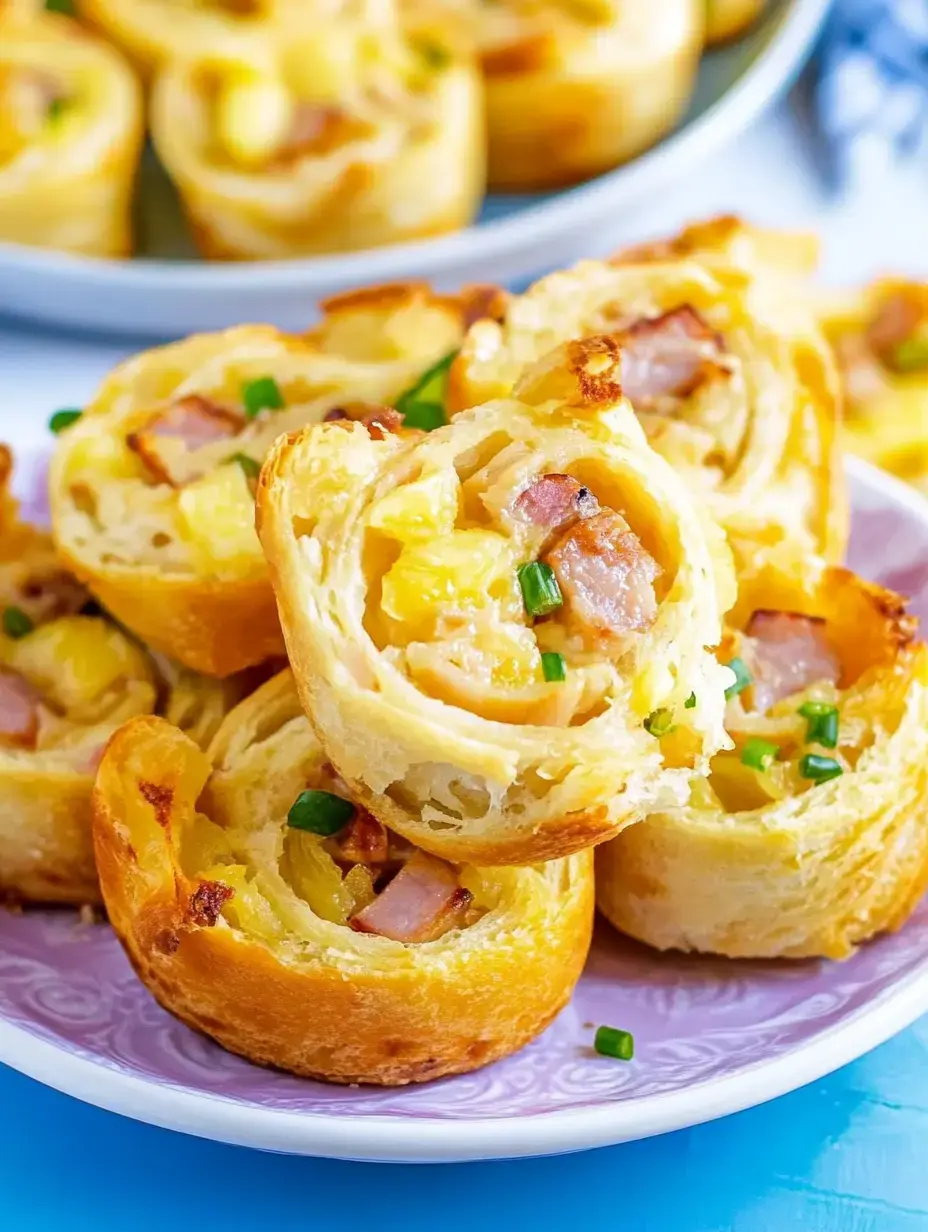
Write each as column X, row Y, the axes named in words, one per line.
column 430, row 1140
column 529, row 230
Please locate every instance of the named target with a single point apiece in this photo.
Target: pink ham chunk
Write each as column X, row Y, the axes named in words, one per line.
column 554, row 502
column 46, row 596
column 786, row 652
column 195, row 421
column 606, row 577
column 19, row 711
column 669, row 356
column 422, row 902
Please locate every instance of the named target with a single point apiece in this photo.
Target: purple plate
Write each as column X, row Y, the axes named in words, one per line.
column 713, row 1036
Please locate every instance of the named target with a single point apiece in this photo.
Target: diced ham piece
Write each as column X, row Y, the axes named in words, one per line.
column 194, row 420
column 894, row 322
column 19, row 711
column 47, row 596
column 606, row 577
column 786, row 652
column 668, row 356
column 364, row 840
column 381, row 422
column 422, row 902
column 554, row 502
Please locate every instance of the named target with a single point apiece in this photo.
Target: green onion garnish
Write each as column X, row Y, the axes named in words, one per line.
column 320, row 812
column 16, row 622
column 426, row 416
column 251, row 468
column 759, row 754
column 435, row 56
column 60, row 6
column 64, row 418
column 261, row 394
column 540, row 591
column 56, row 109
column 553, row 665
column 742, row 678
column 690, row 702
column 819, row 769
column 423, row 404
column 822, row 725
column 911, row 355
column 614, row 1042
column 660, row 722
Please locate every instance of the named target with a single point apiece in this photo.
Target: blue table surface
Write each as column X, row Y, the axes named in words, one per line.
column 847, row 1154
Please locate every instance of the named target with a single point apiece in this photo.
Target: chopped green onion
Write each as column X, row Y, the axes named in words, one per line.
column 423, row 404
column 822, row 727
column 261, row 394
column 553, row 665
column 64, row 418
column 60, row 6
column 56, row 109
column 251, row 468
column 742, row 678
column 614, row 1042
column 819, row 769
column 759, row 754
column 320, row 812
column 911, row 355
column 660, row 722
column 424, row 415
column 690, row 702
column 16, row 622
column 540, row 591
column 435, row 56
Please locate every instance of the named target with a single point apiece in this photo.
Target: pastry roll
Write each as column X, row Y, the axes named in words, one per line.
column 351, row 135
column 489, row 624
column 880, row 336
column 728, row 372
column 153, row 32
column 261, row 906
column 729, row 19
column 575, row 87
column 71, row 129
column 68, row 679
column 152, row 491
column 809, row 836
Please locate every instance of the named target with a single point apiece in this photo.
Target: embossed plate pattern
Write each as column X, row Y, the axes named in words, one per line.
column 712, row 1036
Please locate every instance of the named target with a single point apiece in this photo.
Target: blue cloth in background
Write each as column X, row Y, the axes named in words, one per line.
column 870, row 88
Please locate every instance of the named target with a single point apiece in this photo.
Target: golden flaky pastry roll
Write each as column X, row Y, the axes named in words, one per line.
column 71, row 129
column 153, row 32
column 351, row 134
column 575, row 87
column 260, row 906
column 809, row 837
column 730, row 376
column 729, row 19
column 489, row 625
column 152, row 491
column 880, row 336
column 67, row 681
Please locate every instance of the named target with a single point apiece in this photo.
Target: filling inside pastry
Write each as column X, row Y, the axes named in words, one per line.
column 278, row 835
column 800, row 710
column 172, row 483
column 511, row 588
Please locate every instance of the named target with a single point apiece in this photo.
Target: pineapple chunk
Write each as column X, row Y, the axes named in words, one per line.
column 82, row 665
column 324, row 69
column 316, row 878
column 331, row 472
column 217, row 519
column 254, row 113
column 102, row 455
column 464, row 571
column 422, row 509
column 651, row 688
column 203, row 844
column 247, row 909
